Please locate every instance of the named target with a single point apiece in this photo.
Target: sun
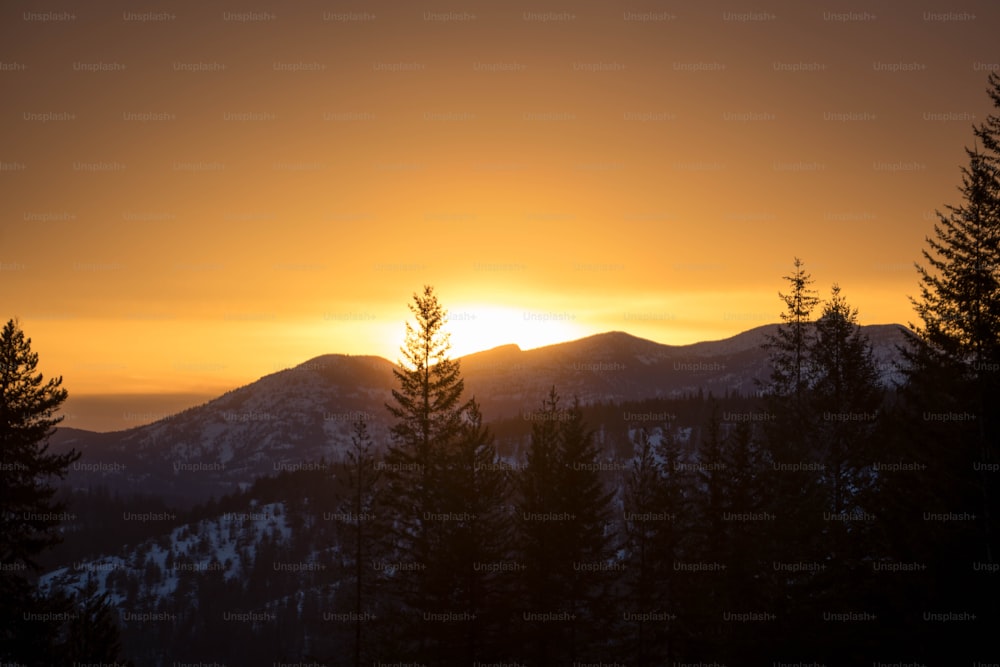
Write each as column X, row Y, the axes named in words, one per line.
column 477, row 327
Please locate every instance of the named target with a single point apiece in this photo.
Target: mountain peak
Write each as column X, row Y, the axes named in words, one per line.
column 604, row 339
column 616, row 336
column 509, row 347
column 495, row 355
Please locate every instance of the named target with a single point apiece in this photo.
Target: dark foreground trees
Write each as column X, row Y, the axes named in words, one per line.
column 427, row 409
column 491, row 562
column 948, row 424
column 479, row 541
column 563, row 542
column 29, row 516
column 362, row 533
column 446, row 493
column 657, row 533
column 822, row 409
column 35, row 629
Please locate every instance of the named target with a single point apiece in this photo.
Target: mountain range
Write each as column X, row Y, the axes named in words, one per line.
column 299, row 416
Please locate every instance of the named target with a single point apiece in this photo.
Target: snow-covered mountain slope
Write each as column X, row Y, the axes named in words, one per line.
column 296, row 417
column 153, row 569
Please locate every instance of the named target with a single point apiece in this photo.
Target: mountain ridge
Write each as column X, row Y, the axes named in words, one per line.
column 304, row 414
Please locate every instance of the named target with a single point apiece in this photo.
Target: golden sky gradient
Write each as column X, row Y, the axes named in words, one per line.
column 193, row 196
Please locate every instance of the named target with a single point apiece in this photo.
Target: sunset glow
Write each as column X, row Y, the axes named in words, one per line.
column 193, row 199
column 474, row 328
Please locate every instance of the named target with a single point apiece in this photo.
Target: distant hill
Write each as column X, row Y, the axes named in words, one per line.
column 303, row 414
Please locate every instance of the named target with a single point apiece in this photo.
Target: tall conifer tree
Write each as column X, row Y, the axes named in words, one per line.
column 427, row 408
column 29, row 513
column 950, row 417
column 564, row 538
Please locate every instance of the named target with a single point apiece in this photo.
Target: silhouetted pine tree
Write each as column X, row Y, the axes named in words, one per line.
column 479, row 542
column 590, row 537
column 29, row 514
column 676, row 542
column 564, row 539
column 540, row 539
column 789, row 345
column 428, row 412
column 792, row 521
column 362, row 530
column 732, row 551
column 951, row 398
column 847, row 396
column 745, row 473
column 540, row 526
column 648, row 524
column 710, row 543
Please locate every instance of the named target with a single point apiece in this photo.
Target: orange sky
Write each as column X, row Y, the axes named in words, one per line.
column 555, row 170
